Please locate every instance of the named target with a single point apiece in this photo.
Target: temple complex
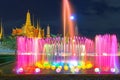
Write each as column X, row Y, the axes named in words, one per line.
column 30, row 30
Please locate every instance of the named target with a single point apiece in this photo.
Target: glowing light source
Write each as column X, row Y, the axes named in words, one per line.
column 72, row 70
column 58, row 70
column 53, row 67
column 82, row 54
column 37, row 70
column 104, row 54
column 73, row 63
column 48, row 67
column 60, row 67
column 39, row 65
column 113, row 69
column 66, row 67
column 88, row 66
column 72, row 17
column 19, row 70
column 76, row 69
column 97, row 70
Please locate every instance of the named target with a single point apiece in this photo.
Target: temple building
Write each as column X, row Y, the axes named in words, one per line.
column 1, row 31
column 30, row 30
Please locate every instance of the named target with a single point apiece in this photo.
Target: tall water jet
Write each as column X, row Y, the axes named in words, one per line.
column 68, row 23
column 67, row 16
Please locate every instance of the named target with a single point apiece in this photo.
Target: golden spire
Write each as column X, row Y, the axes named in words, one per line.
column 42, row 33
column 39, row 33
column 28, row 19
column 1, row 31
column 33, row 20
column 48, row 31
column 37, row 24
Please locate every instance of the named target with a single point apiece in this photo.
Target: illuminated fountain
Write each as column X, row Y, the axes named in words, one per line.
column 80, row 54
column 106, row 52
column 68, row 53
column 49, row 53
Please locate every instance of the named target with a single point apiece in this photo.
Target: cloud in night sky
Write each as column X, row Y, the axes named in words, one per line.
column 112, row 3
column 100, row 15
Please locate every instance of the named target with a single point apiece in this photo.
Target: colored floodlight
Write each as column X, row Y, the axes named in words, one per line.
column 19, row 70
column 97, row 70
column 37, row 70
column 58, row 70
column 112, row 69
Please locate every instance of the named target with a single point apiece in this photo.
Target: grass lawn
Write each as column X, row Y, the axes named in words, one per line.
column 6, row 58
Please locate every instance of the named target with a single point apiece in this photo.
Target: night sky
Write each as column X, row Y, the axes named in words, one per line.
column 92, row 16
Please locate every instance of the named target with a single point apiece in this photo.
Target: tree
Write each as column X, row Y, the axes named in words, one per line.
column 9, row 42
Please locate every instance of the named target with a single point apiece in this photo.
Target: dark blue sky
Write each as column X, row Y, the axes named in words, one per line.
column 92, row 16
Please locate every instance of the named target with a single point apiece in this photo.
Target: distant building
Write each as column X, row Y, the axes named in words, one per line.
column 30, row 30
column 48, row 31
column 1, row 31
column 76, row 30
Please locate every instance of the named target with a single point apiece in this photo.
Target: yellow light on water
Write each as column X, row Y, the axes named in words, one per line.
column 53, row 67
column 39, row 65
column 60, row 67
column 66, row 67
column 88, row 66
column 48, row 67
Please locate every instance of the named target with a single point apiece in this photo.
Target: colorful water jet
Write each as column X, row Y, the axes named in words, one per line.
column 68, row 23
